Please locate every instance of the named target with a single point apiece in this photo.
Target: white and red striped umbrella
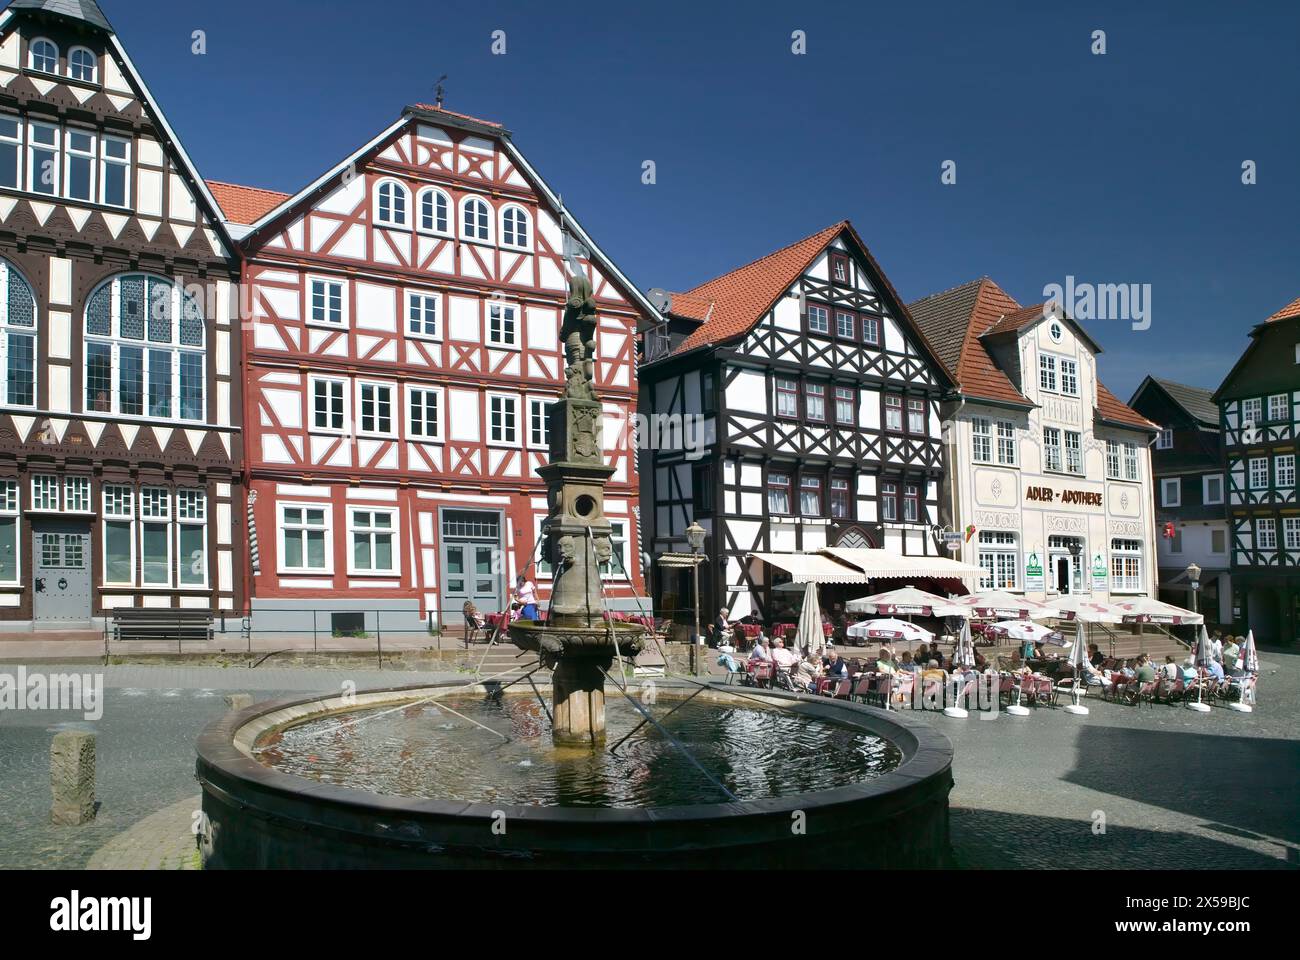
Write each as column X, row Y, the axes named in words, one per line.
column 905, row 601
column 1000, row 605
column 1147, row 610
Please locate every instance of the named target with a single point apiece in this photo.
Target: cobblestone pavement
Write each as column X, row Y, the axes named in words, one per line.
column 1172, row 788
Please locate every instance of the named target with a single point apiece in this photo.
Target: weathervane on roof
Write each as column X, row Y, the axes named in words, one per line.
column 437, row 91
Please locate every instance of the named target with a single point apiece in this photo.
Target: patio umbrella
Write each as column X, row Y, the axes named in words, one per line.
column 1247, row 660
column 963, row 655
column 906, row 601
column 1078, row 657
column 1000, row 605
column 1147, row 610
column 1203, row 656
column 1028, row 630
column 1076, row 607
column 809, row 635
column 890, row 629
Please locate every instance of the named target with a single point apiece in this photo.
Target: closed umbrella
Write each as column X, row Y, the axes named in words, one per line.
column 1203, row 656
column 1248, row 661
column 1078, row 657
column 809, row 635
column 963, row 655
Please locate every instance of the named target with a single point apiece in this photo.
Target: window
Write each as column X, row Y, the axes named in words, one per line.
column 839, row 268
column 326, row 301
column 502, row 418
column 1284, row 470
column 137, row 361
column 846, row 325
column 1266, row 533
column 1251, row 412
column 155, row 537
column 9, row 521
column 870, row 330
column 1130, row 461
column 1073, row 452
column 844, row 402
column 539, row 427
column 1000, row 558
column 702, row 489
column 45, row 492
column 889, row 501
column 1125, row 566
column 841, row 504
column 1007, row 442
column 1069, row 377
column 1176, row 543
column 372, row 533
column 81, row 65
column 1112, row 460
column 915, row 416
column 1047, row 371
column 818, row 319
column 1171, row 492
column 329, row 404
column 787, row 399
column 503, row 328
column 1218, row 541
column 810, row 496
column 79, row 164
column 815, row 402
column 1258, row 473
column 435, row 211
column 1279, row 407
column 119, row 534
column 778, row 494
column 981, row 440
column 115, row 171
column 425, row 406
column 894, row 413
column 11, row 151
column 390, row 204
column 475, row 220
column 1212, row 488
column 1165, row 439
column 514, row 228
column 44, row 56
column 191, row 538
column 17, row 338
column 422, row 314
column 76, row 494
column 911, row 503
column 616, row 566
column 1291, row 532
column 1051, row 448
column 304, row 531
column 43, row 158
column 376, row 407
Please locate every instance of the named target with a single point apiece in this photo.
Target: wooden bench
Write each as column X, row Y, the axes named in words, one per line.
column 162, row 623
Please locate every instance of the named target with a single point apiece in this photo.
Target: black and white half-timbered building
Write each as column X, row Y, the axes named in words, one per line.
column 793, row 406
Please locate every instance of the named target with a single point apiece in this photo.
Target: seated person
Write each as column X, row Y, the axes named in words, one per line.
column 933, row 672
column 1231, row 651
column 721, row 629
column 1188, row 671
column 907, row 664
column 759, row 653
column 1215, row 668
column 807, row 671
column 1170, row 670
column 885, row 662
column 1095, row 656
column 1145, row 671
column 782, row 657
column 1094, row 676
column 835, row 665
column 473, row 617
column 921, row 654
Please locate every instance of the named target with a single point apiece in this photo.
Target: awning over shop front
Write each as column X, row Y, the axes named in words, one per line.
column 812, row 567
column 882, row 564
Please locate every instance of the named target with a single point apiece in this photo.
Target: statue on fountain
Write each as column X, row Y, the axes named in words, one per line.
column 578, row 333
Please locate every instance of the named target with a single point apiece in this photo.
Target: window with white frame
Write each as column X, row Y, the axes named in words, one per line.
column 1171, row 492
column 1125, row 566
column 304, row 538
column 424, row 406
column 45, row 492
column 911, row 503
column 11, row 151
column 43, row 144
column 435, row 211
column 1051, row 448
column 374, row 537
column 1251, row 412
column 615, row 568
column 9, row 523
column 1266, row 533
column 76, row 494
column 1258, row 473
column 476, row 221
column 114, row 171
column 893, row 413
column 503, row 418
column 75, row 162
column 17, row 338
column 841, row 500
column 539, row 427
column 1073, row 452
column 778, row 494
column 375, row 404
column 155, row 537
column 119, row 534
column 845, row 400
column 1047, row 371
column 43, row 56
column 846, row 325
column 422, row 314
column 1130, row 461
column 1007, row 452
column 815, row 402
column 328, row 404
column 503, row 325
column 1069, row 377
column 981, row 439
column 787, row 398
column 870, row 330
column 514, row 228
column 144, row 350
column 1165, row 439
column 1291, row 532
column 1218, row 541
column 1284, row 470
column 80, row 163
column 326, row 301
column 1112, row 460
column 999, row 555
column 391, row 199
column 1279, row 407
column 915, row 415
column 1212, row 488
column 191, row 538
column 81, row 65
column 819, row 319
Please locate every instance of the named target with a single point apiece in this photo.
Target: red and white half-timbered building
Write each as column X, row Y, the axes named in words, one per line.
column 402, row 343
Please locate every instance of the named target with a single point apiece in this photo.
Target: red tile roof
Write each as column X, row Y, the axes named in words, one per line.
column 735, row 301
column 1016, row 321
column 434, row 108
column 1110, row 407
column 1292, row 309
column 245, row 204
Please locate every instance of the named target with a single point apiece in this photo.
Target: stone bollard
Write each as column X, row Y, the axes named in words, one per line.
column 238, row 701
column 72, row 777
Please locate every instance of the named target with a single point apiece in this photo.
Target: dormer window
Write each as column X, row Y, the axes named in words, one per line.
column 1165, row 439
column 44, row 56
column 81, row 65
column 839, row 268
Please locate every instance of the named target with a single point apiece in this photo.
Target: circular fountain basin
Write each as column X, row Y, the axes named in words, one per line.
column 404, row 777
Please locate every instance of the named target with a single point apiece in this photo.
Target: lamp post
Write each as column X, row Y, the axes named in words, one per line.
column 1194, row 578
column 695, row 537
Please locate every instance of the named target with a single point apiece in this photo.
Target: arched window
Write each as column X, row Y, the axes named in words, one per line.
column 44, row 56
column 17, row 338
column 81, row 65
column 514, row 227
column 144, row 349
column 476, row 221
column 435, row 211
column 390, row 204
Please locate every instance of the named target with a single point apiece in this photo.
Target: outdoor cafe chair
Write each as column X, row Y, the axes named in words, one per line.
column 862, row 685
column 760, row 673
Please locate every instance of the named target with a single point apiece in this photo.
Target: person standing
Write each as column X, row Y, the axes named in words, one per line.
column 526, row 597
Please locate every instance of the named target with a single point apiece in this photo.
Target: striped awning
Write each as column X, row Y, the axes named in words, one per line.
column 812, row 567
column 882, row 564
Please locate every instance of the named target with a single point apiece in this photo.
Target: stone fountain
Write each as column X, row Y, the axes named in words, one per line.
column 578, row 642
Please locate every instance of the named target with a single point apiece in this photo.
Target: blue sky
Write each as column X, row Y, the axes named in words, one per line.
column 1122, row 168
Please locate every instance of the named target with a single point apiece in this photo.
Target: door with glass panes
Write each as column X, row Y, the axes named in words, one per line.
column 60, row 571
column 473, row 565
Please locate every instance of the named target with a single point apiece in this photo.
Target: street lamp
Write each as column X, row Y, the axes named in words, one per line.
column 1194, row 577
column 695, row 537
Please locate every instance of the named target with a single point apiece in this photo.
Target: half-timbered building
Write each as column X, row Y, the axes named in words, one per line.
column 795, row 406
column 119, row 457
column 403, row 347
column 1259, row 401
